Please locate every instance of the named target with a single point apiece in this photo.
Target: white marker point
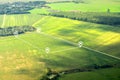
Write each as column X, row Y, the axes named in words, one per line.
column 39, row 30
column 47, row 50
column 80, row 44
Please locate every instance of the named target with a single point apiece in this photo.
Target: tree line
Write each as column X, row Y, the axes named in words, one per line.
column 20, row 7
column 94, row 17
column 8, row 31
column 54, row 75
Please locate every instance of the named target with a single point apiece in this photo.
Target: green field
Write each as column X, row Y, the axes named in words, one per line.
column 104, row 74
column 54, row 44
column 87, row 6
column 1, row 19
column 25, row 56
column 39, row 11
column 99, row 37
column 84, row 7
column 19, row 20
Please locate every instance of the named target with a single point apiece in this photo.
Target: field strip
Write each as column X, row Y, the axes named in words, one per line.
column 65, row 50
column 3, row 21
column 75, row 44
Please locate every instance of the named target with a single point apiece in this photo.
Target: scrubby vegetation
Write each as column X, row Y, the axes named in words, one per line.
column 20, row 7
column 53, row 75
column 15, row 30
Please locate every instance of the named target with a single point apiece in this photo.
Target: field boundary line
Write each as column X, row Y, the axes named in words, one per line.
column 3, row 23
column 38, row 21
column 64, row 50
column 101, row 52
column 75, row 44
column 28, row 43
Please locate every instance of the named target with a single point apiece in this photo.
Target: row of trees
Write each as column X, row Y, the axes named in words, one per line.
column 66, row 1
column 15, row 30
column 78, row 1
column 54, row 75
column 94, row 17
column 20, row 7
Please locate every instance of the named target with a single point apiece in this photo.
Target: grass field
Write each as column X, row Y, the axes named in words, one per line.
column 25, row 56
column 1, row 19
column 31, row 60
column 104, row 74
column 100, row 37
column 19, row 20
column 39, row 11
column 87, row 6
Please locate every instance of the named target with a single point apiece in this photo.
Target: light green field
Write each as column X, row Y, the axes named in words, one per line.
column 19, row 20
column 1, row 19
column 88, row 6
column 99, row 37
column 25, row 56
column 104, row 74
column 39, row 11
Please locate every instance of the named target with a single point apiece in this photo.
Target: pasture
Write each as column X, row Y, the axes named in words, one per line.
column 25, row 56
column 99, row 37
column 55, row 45
column 19, row 20
column 88, row 6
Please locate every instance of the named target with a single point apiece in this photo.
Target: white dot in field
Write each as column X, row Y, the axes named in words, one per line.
column 80, row 43
column 39, row 30
column 47, row 50
column 16, row 33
